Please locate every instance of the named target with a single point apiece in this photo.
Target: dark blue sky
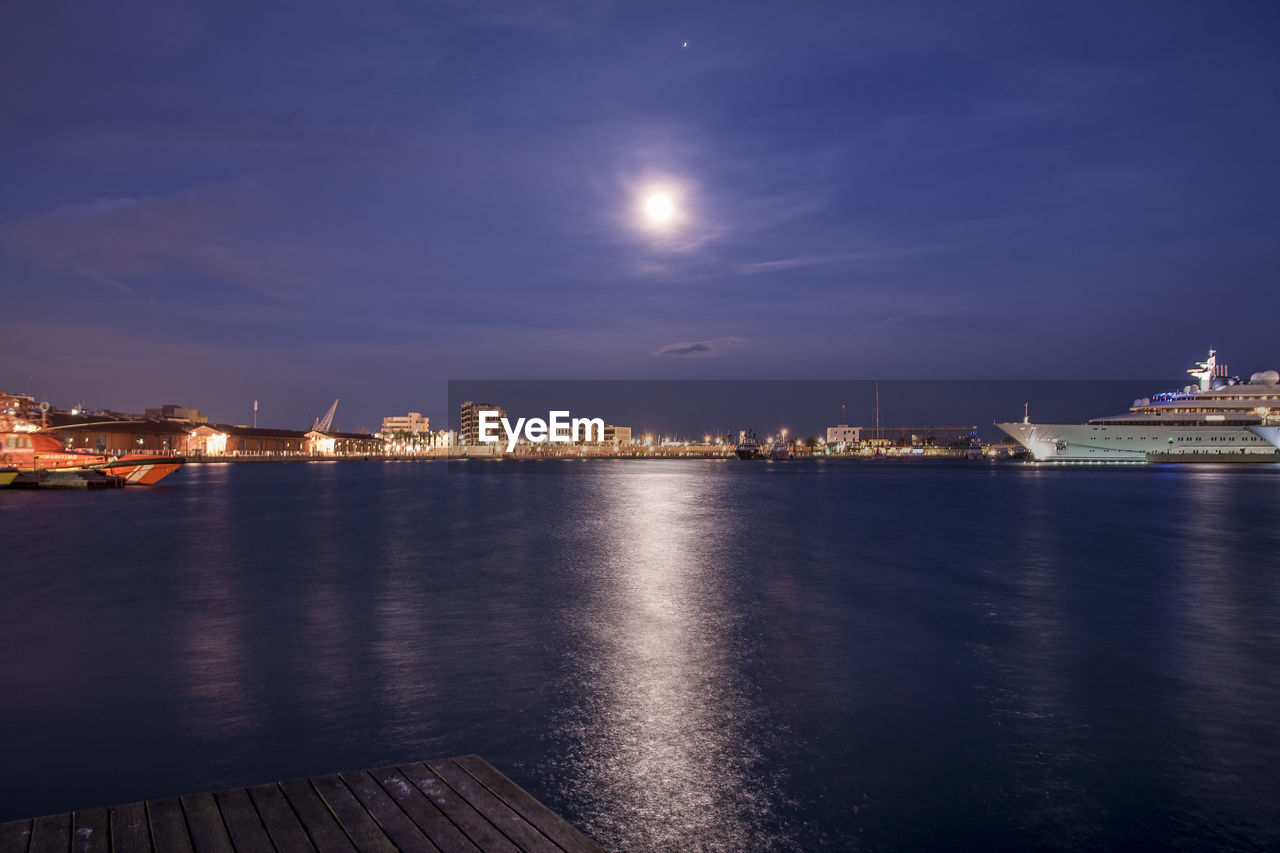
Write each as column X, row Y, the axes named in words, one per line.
column 300, row 201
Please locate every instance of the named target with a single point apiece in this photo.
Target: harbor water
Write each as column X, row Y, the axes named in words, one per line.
column 674, row 655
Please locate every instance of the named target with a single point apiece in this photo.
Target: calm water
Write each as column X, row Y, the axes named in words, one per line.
column 674, row 655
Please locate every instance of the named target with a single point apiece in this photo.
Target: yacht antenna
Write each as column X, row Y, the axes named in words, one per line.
column 1208, row 370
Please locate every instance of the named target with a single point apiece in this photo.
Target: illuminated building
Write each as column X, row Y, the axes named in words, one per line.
column 413, row 424
column 844, row 434
column 617, row 435
column 469, row 421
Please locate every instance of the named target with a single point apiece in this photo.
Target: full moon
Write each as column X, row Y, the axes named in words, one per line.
column 659, row 208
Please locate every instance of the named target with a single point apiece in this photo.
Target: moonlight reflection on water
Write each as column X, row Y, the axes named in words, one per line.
column 674, row 655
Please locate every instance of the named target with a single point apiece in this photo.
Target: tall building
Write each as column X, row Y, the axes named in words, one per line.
column 413, row 423
column 469, row 421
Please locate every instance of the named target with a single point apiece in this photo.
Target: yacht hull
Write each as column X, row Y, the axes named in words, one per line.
column 1132, row 443
column 1269, row 434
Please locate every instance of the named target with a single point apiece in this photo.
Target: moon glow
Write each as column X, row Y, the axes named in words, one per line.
column 659, row 207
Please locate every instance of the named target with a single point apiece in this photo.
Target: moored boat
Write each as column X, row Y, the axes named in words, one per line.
column 749, row 446
column 1223, row 417
column 28, row 450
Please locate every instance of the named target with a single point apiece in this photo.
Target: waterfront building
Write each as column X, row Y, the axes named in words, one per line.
column 444, row 438
column 406, row 435
column 342, row 444
column 411, row 424
column 116, row 438
column 617, row 435
column 227, row 440
column 844, row 434
column 16, row 404
column 469, row 421
column 206, row 440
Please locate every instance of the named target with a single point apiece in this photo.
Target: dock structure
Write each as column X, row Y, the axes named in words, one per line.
column 454, row 804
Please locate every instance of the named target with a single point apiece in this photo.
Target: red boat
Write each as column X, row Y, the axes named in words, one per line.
column 37, row 451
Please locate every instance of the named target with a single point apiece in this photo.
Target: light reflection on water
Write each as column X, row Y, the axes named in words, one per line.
column 674, row 655
column 211, row 650
column 662, row 734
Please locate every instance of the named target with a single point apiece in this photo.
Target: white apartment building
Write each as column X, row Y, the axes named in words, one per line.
column 413, row 423
column 843, row 433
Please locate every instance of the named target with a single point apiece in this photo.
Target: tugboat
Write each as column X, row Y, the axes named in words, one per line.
column 749, row 446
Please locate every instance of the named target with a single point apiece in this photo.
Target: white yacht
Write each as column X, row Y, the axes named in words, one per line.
column 1222, row 415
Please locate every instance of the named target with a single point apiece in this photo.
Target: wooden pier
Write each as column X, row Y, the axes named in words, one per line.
column 455, row 804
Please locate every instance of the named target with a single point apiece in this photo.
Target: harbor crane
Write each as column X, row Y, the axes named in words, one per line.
column 326, row 423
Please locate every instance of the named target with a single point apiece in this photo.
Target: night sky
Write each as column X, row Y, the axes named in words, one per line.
column 300, row 201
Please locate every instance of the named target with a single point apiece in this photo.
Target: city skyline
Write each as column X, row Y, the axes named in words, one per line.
column 216, row 206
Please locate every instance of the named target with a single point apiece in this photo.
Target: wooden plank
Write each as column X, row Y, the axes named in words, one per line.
column 422, row 811
column 169, row 826
column 51, row 834
column 394, row 822
column 559, row 830
column 459, row 805
column 355, row 820
column 91, row 831
column 326, row 834
column 208, row 832
column 130, row 831
column 15, row 836
column 243, row 824
column 282, row 824
column 485, row 835
column 520, row 831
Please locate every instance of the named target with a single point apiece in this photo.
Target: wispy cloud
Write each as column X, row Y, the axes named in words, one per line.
column 801, row 261
column 698, row 347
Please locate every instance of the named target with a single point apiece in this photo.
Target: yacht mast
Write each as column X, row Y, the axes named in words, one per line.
column 877, row 410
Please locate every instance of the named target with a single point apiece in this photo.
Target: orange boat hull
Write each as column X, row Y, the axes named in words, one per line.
column 139, row 470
